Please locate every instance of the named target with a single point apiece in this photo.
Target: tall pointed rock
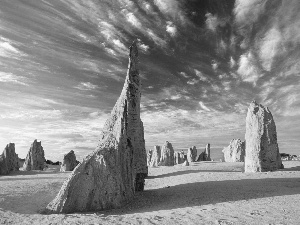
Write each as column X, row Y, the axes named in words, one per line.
column 109, row 176
column 262, row 152
column 35, row 157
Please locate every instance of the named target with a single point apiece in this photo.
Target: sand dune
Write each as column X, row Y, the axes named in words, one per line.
column 202, row 193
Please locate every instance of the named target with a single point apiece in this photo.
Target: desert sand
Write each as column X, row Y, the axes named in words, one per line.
column 202, row 193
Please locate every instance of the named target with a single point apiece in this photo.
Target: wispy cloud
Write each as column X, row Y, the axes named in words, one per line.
column 11, row 78
column 248, row 70
column 85, row 86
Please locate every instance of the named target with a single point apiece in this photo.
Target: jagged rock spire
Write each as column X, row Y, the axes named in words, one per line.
column 108, row 177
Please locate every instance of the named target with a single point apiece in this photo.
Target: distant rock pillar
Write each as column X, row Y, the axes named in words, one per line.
column 207, row 153
column 235, row 152
column 35, row 158
column 262, row 152
column 156, row 154
column 9, row 160
column 190, row 155
column 167, row 155
column 69, row 162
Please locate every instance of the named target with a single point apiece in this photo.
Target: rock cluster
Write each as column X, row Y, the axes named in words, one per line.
column 109, row 176
column 262, row 152
column 167, row 155
column 207, row 153
column 69, row 162
column 235, row 152
column 9, row 160
column 155, row 157
column 35, row 158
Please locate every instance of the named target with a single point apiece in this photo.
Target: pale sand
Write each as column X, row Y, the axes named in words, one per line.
column 202, row 193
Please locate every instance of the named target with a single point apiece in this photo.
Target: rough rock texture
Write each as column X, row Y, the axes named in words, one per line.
column 109, row 176
column 235, row 152
column 35, row 158
column 69, row 162
column 9, row 160
column 167, row 155
column 155, row 158
column 206, row 156
column 262, row 152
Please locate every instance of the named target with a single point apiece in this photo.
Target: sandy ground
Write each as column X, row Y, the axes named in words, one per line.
column 202, row 193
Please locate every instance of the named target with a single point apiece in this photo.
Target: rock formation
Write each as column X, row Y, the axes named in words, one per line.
column 262, row 152
column 167, row 155
column 69, row 162
column 108, row 177
column 200, row 157
column 35, row 158
column 178, row 158
column 192, row 154
column 155, row 158
column 9, row 160
column 235, row 152
column 189, row 155
column 185, row 163
column 149, row 156
column 206, row 156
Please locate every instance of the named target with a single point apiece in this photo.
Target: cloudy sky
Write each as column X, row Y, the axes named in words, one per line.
column 63, row 64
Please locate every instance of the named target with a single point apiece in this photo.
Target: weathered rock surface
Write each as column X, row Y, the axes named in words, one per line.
column 235, row 152
column 108, row 177
column 167, row 155
column 9, row 160
column 262, row 152
column 155, row 158
column 69, row 162
column 35, row 158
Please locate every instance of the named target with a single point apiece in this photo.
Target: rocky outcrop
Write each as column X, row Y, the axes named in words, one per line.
column 35, row 158
column 108, row 177
column 167, row 155
column 262, row 152
column 155, row 158
column 69, row 162
column 9, row 160
column 235, row 152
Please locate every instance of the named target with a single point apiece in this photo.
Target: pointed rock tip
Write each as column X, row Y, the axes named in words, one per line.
column 133, row 49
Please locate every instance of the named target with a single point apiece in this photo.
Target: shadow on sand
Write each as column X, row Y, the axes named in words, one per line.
column 210, row 192
column 183, row 172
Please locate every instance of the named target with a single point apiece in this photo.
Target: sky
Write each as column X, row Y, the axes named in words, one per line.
column 63, row 64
